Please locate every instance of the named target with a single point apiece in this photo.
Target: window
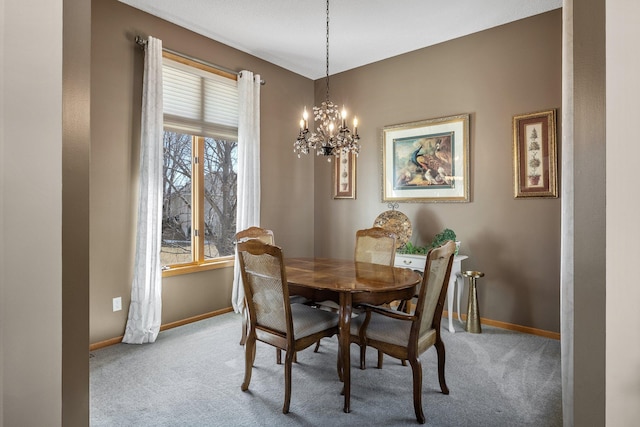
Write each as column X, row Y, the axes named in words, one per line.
column 200, row 166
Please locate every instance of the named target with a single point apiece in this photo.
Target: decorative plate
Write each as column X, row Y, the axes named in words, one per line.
column 397, row 222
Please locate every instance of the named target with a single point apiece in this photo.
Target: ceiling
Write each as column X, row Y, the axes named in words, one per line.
column 291, row 33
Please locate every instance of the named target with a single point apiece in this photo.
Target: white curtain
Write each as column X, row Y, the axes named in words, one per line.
column 143, row 323
column 248, row 211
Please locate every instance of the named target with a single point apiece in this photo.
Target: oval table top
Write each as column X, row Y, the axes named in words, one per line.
column 339, row 275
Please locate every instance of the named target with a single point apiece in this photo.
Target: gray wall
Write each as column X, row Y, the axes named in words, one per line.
column 492, row 75
column 31, row 212
column 622, row 227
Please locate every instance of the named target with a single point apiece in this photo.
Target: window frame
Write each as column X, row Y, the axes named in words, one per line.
column 199, row 262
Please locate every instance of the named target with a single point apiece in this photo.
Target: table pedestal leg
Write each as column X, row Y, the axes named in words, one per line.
column 345, row 338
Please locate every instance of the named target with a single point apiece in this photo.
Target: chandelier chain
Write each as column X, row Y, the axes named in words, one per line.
column 327, row 54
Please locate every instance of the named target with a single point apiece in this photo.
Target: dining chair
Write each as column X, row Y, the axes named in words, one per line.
column 272, row 318
column 265, row 236
column 374, row 245
column 406, row 336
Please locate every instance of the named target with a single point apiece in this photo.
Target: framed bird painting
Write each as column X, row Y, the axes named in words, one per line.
column 426, row 161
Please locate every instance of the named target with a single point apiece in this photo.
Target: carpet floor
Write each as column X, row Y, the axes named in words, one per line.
column 191, row 376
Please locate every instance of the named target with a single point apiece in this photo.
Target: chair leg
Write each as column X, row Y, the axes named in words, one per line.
column 402, row 306
column 245, row 325
column 380, row 357
column 416, row 368
column 249, row 359
column 317, row 346
column 287, row 380
column 339, row 363
column 405, row 306
column 279, row 357
column 363, row 356
column 441, row 359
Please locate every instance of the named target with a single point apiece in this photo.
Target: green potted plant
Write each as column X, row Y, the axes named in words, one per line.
column 446, row 234
column 443, row 236
column 411, row 249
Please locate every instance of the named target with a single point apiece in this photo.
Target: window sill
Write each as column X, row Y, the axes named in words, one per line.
column 192, row 268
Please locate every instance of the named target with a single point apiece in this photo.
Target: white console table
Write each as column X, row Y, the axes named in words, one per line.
column 417, row 262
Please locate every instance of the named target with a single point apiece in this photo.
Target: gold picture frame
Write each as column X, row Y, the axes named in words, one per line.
column 344, row 176
column 535, row 155
column 426, row 161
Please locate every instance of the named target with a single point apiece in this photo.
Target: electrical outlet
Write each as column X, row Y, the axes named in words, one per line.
column 117, row 304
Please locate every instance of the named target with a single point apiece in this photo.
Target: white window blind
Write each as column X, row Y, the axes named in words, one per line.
column 197, row 102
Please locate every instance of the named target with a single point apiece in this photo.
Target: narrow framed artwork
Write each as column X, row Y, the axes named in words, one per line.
column 426, row 161
column 344, row 176
column 535, row 155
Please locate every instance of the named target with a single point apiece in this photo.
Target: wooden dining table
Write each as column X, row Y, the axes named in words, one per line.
column 348, row 283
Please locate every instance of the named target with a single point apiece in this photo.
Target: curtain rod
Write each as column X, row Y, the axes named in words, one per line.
column 143, row 43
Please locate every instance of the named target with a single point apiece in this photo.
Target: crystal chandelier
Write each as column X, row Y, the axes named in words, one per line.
column 332, row 136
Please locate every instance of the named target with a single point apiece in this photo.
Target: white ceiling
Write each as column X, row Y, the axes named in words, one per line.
column 291, row 33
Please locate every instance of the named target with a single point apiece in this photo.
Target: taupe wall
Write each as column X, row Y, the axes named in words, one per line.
column 31, row 390
column 492, row 75
column 590, row 213
column 116, row 82
column 76, row 142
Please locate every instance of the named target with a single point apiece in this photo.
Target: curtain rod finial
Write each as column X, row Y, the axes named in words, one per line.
column 141, row 41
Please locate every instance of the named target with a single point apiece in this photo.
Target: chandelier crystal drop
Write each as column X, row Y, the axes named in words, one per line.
column 332, row 135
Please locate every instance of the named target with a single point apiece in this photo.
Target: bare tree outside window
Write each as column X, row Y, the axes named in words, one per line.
column 179, row 221
column 176, row 200
column 220, row 196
